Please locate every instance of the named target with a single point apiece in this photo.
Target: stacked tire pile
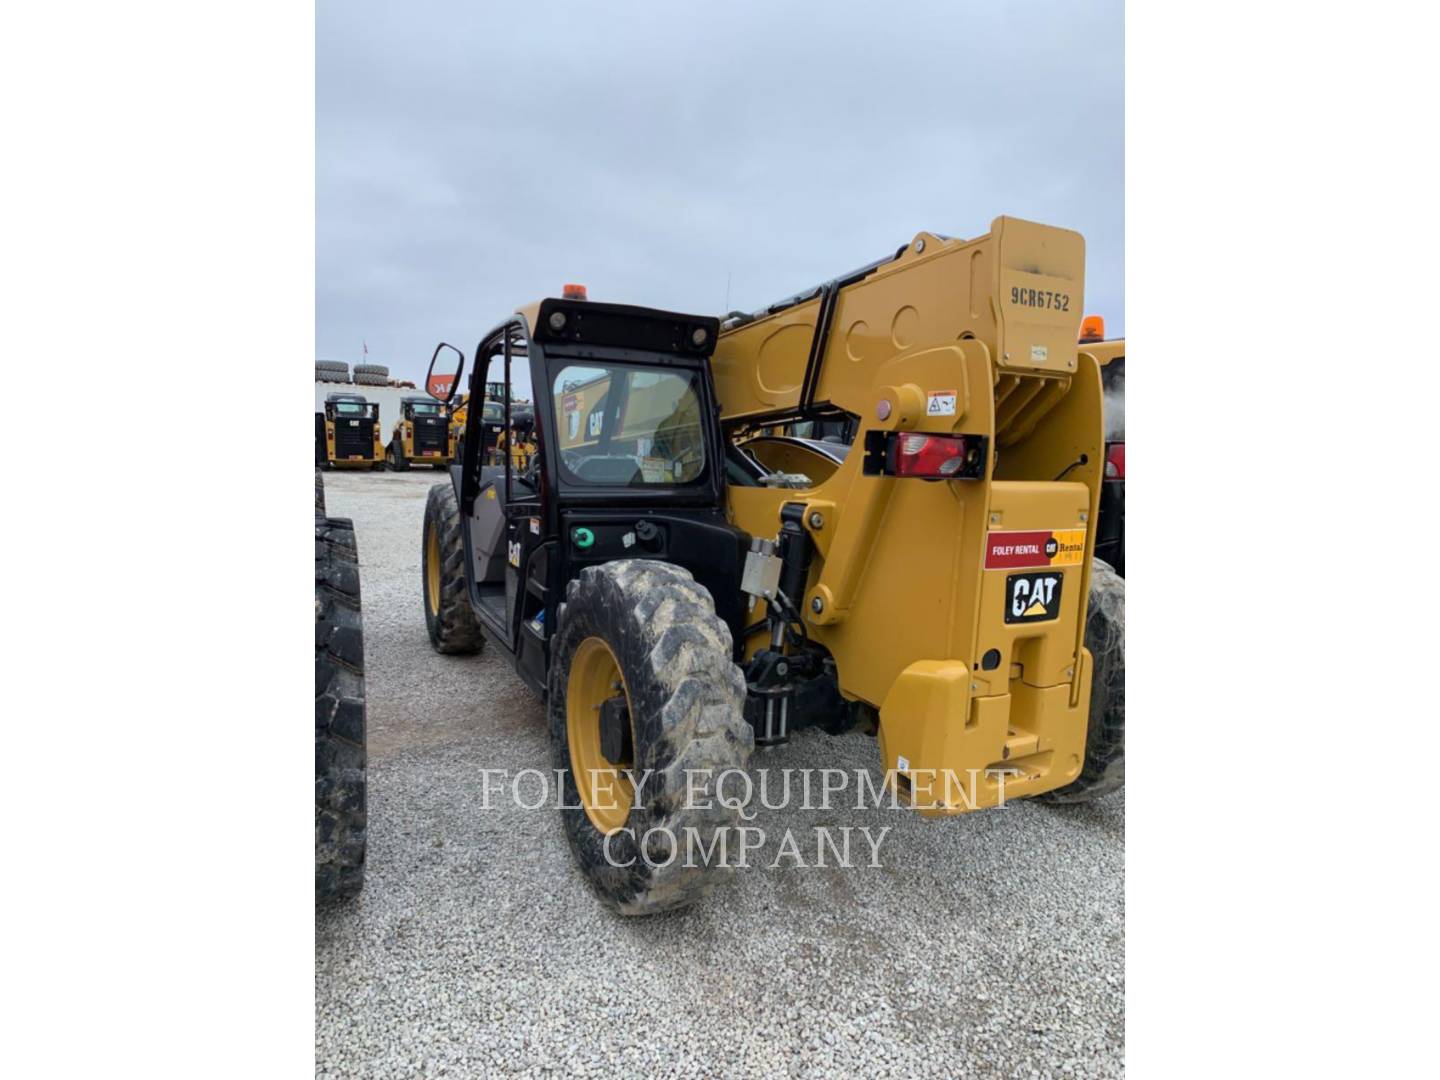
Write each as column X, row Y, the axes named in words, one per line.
column 332, row 371
column 372, row 375
column 340, row 803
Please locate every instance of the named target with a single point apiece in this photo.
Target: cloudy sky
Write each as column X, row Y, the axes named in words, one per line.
column 473, row 156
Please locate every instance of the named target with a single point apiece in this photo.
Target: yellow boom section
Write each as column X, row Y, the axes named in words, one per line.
column 1018, row 290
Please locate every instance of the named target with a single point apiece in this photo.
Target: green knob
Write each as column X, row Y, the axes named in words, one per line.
column 583, row 538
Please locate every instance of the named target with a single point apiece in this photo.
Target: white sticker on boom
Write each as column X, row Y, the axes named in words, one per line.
column 1039, row 354
column 902, row 763
column 940, row 402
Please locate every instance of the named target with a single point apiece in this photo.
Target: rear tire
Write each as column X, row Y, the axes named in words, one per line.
column 397, row 458
column 340, row 810
column 319, row 494
column 1104, row 769
column 449, row 619
column 686, row 705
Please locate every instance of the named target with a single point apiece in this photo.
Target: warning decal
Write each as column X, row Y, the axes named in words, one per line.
column 941, row 402
column 1046, row 547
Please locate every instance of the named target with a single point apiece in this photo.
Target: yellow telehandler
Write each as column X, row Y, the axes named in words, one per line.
column 678, row 598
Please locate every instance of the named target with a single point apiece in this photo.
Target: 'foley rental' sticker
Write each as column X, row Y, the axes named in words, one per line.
column 1047, row 547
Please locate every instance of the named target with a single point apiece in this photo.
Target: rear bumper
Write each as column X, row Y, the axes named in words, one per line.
column 948, row 750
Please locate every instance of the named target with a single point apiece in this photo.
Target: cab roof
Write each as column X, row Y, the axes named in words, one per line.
column 621, row 325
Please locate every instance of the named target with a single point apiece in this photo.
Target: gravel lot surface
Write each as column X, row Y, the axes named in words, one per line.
column 986, row 945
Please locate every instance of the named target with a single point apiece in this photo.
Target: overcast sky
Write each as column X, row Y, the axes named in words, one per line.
column 472, row 157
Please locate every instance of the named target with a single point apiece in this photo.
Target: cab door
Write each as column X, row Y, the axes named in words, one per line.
column 527, row 551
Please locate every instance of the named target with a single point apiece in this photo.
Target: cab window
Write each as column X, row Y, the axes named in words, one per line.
column 628, row 425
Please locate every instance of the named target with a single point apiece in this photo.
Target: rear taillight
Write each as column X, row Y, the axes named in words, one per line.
column 1115, row 461
column 928, row 457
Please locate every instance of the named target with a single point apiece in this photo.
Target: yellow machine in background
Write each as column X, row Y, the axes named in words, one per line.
column 522, row 450
column 458, row 412
column 423, row 435
column 347, row 433
column 1110, row 355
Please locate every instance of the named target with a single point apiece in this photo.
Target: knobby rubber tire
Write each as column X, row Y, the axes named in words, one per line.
column 319, row 493
column 340, row 797
column 1104, row 768
column 453, row 628
column 687, row 702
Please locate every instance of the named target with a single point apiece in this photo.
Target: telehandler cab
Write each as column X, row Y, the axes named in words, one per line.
column 347, row 433
column 421, row 435
column 677, row 602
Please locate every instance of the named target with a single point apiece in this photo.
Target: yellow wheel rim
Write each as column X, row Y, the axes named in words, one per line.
column 605, row 791
column 432, row 569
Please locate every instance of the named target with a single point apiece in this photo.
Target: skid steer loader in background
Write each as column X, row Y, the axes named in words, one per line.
column 678, row 597
column 422, row 435
column 347, row 433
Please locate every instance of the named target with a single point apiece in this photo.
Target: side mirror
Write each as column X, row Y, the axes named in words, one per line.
column 442, row 381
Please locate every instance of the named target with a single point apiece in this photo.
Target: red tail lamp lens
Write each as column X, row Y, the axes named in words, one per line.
column 937, row 456
column 1115, row 461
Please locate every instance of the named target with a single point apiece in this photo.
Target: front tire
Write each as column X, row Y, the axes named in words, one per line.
column 1104, row 768
column 645, row 633
column 340, row 796
column 449, row 619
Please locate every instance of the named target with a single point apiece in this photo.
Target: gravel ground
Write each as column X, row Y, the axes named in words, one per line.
column 986, row 945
